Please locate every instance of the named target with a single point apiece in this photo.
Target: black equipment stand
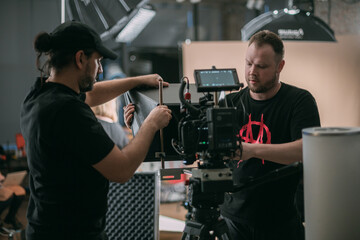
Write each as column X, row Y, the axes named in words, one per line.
column 206, row 192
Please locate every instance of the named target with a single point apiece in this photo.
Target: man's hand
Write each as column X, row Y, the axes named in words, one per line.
column 152, row 80
column 129, row 114
column 159, row 117
column 244, row 152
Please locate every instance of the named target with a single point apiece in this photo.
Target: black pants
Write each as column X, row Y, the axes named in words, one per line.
column 291, row 230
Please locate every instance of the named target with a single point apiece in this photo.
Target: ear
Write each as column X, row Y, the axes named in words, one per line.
column 280, row 66
column 80, row 59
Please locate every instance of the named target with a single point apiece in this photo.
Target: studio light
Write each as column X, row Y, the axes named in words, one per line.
column 255, row 4
column 137, row 23
column 120, row 19
column 290, row 24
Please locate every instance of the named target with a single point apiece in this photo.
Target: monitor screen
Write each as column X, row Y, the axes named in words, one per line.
column 211, row 80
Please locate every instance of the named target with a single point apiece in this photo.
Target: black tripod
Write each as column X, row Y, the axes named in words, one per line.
column 206, row 192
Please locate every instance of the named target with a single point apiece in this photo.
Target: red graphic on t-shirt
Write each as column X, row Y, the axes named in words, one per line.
column 246, row 133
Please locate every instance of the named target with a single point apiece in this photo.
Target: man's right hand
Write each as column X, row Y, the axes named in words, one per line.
column 159, row 116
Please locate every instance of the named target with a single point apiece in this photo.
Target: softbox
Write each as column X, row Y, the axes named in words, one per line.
column 292, row 24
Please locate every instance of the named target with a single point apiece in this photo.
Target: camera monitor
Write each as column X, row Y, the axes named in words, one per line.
column 213, row 80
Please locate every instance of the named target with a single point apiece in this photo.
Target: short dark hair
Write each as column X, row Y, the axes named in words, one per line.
column 66, row 40
column 267, row 37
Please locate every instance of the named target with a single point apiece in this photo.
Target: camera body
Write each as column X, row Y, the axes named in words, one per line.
column 213, row 133
column 209, row 132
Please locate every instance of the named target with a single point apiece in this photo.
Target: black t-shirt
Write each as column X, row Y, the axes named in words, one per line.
column 115, row 132
column 273, row 121
column 68, row 197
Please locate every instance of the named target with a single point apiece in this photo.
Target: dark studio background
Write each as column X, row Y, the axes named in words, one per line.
column 156, row 50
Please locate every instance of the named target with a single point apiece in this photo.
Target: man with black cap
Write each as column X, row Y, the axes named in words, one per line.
column 71, row 159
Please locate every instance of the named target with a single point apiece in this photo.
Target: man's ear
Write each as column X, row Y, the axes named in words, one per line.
column 280, row 66
column 79, row 59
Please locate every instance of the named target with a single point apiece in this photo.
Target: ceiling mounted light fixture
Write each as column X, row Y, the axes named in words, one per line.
column 134, row 27
column 111, row 17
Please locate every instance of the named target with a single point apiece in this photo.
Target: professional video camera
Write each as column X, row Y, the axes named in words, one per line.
column 200, row 130
column 207, row 133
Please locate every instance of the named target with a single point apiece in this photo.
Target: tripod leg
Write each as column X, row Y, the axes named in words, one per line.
column 192, row 229
column 224, row 236
column 221, row 230
column 185, row 236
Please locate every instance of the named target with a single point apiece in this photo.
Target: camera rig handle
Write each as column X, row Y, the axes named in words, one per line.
column 193, row 110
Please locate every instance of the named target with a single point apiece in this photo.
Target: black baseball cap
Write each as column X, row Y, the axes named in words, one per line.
column 76, row 35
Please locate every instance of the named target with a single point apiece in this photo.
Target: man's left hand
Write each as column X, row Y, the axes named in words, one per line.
column 152, row 80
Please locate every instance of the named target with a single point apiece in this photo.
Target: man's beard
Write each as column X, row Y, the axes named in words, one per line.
column 265, row 87
column 87, row 83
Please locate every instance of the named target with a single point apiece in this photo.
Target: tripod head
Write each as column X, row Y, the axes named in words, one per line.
column 206, row 192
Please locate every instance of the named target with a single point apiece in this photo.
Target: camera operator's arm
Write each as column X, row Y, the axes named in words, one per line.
column 129, row 114
column 104, row 91
column 120, row 165
column 285, row 153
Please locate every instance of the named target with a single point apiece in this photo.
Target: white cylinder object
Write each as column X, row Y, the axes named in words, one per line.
column 331, row 158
